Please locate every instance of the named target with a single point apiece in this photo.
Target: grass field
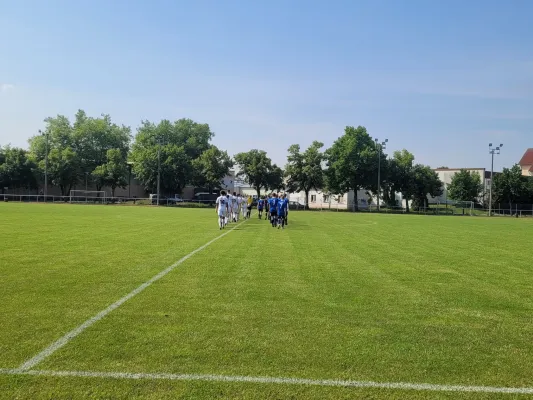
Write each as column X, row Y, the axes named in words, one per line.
column 336, row 296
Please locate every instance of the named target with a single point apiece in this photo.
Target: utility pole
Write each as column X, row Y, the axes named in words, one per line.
column 130, row 165
column 492, row 151
column 158, row 168
column 45, row 164
column 86, row 184
column 380, row 147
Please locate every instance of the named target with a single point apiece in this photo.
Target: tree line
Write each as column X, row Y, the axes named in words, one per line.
column 509, row 188
column 104, row 154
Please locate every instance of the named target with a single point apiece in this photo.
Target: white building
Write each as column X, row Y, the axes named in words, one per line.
column 446, row 175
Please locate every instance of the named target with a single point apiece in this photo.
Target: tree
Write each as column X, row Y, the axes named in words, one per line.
column 256, row 168
column 401, row 174
column 511, row 187
column 425, row 182
column 465, row 186
column 351, row 162
column 86, row 142
column 113, row 172
column 211, row 168
column 63, row 169
column 274, row 178
column 17, row 170
column 63, row 162
column 179, row 142
column 94, row 137
column 304, row 170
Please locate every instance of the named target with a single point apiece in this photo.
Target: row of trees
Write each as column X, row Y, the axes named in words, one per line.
column 104, row 154
column 509, row 187
column 350, row 164
column 101, row 153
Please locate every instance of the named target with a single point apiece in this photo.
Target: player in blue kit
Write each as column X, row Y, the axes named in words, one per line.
column 283, row 204
column 273, row 208
column 260, row 207
column 267, row 206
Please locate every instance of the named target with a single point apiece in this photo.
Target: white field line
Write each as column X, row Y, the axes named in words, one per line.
column 32, row 362
column 274, row 380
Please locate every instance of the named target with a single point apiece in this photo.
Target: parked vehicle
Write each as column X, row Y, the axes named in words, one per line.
column 205, row 197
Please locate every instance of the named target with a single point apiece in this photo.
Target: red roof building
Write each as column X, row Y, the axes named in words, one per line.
column 526, row 163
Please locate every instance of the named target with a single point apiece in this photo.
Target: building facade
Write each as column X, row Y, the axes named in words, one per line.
column 526, row 163
column 446, row 175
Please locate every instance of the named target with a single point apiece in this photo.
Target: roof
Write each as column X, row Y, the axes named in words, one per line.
column 527, row 158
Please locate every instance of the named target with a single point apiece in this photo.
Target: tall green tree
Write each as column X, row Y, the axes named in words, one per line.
column 352, row 162
column 274, row 180
column 401, row 174
column 304, row 170
column 511, row 187
column 78, row 148
column 113, row 173
column 63, row 162
column 256, row 169
column 180, row 143
column 17, row 170
column 63, row 168
column 94, row 137
column 426, row 182
column 465, row 186
column 211, row 168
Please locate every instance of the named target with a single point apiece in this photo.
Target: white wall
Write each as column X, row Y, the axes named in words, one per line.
column 446, row 177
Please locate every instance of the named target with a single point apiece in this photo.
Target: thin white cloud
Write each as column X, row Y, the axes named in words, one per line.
column 5, row 87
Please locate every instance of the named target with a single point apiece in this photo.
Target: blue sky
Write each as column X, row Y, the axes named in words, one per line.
column 439, row 78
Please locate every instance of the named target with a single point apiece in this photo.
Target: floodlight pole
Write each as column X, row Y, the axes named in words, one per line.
column 45, row 164
column 130, row 165
column 380, row 147
column 158, row 167
column 492, row 151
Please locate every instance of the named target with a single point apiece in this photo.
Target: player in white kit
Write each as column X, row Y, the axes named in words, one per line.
column 244, row 205
column 228, row 208
column 234, row 207
column 221, row 208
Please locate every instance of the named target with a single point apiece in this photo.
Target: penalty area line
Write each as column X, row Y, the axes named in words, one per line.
column 48, row 351
column 272, row 380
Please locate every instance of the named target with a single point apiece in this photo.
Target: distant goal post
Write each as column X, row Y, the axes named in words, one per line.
column 88, row 196
column 457, row 207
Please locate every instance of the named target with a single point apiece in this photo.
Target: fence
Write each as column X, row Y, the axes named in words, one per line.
column 499, row 210
column 105, row 200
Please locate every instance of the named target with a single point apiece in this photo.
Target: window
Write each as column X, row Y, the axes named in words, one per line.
column 326, row 198
column 313, row 198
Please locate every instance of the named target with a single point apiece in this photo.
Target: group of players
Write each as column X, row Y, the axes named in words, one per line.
column 276, row 208
column 229, row 207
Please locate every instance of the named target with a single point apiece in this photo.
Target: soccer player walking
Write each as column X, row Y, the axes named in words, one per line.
column 234, row 207
column 260, row 206
column 273, row 209
column 244, row 203
column 221, row 208
column 267, row 216
column 283, row 204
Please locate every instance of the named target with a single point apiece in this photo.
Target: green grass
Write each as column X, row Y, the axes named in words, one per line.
column 335, row 296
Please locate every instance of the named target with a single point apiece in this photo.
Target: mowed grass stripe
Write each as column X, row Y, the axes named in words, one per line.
column 61, row 264
column 335, row 296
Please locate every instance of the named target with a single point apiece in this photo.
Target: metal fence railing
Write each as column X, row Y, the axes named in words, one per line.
column 499, row 210
column 105, row 200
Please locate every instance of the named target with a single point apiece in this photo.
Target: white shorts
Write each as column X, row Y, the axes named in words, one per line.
column 222, row 213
